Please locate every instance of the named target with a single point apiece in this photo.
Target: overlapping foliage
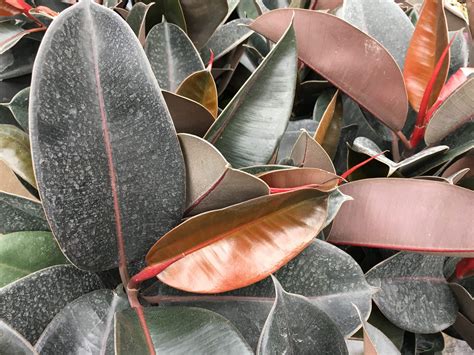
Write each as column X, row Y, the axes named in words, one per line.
column 235, row 177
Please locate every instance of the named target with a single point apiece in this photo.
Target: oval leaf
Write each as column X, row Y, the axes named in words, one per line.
column 136, row 20
column 200, row 87
column 218, row 185
column 426, row 46
column 172, row 55
column 452, row 113
column 374, row 81
column 308, row 153
column 392, row 214
column 296, row 326
column 86, row 323
column 15, row 152
column 413, row 293
column 202, row 18
column 328, row 131
column 178, row 330
column 188, row 115
column 249, row 129
column 30, row 303
column 239, row 245
column 23, row 253
column 107, row 147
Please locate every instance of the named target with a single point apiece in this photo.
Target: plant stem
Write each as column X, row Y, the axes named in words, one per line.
column 404, row 140
column 395, row 150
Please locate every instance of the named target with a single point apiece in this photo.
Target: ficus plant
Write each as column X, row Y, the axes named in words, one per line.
column 235, row 177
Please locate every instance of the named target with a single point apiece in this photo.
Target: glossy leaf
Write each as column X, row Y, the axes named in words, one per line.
column 262, row 169
column 384, row 20
column 452, row 113
column 291, row 135
column 226, row 38
column 202, row 18
column 387, row 213
column 30, row 303
column 295, row 325
column 188, row 116
column 292, row 178
column 371, row 77
column 308, row 153
column 10, row 34
column 84, row 325
column 178, row 330
column 136, row 20
column 23, row 253
column 11, row 342
column 21, row 214
column 428, row 42
column 172, row 55
column 171, row 10
column 366, row 146
column 376, row 342
column 19, row 107
column 200, row 87
column 328, row 131
column 15, row 152
column 18, row 60
column 249, row 129
column 218, row 185
column 117, row 150
column 413, row 293
column 239, row 245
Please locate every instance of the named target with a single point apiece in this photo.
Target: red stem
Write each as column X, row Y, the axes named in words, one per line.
column 313, row 5
column 354, row 168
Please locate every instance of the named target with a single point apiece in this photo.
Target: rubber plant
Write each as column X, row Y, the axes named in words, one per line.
column 235, row 177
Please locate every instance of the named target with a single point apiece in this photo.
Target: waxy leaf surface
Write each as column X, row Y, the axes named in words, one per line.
column 172, row 55
column 249, row 129
column 107, row 146
column 12, row 342
column 373, row 80
column 19, row 213
column 406, row 214
column 201, row 88
column 239, row 245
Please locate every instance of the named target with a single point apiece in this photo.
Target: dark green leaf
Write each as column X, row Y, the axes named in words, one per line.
column 19, row 107
column 107, row 147
column 178, row 330
column 30, row 303
column 11, row 342
column 18, row 61
column 21, row 214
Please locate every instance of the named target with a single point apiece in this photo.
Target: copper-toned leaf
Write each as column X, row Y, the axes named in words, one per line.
column 406, row 214
column 290, row 178
column 107, row 147
column 242, row 244
column 10, row 183
column 308, row 153
column 210, row 181
column 452, row 113
column 427, row 44
column 200, row 87
column 188, row 115
column 328, row 131
column 373, row 80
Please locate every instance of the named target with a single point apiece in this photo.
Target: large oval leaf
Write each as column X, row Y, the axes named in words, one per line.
column 188, row 116
column 30, row 303
column 239, row 245
column 413, row 293
column 11, row 342
column 369, row 16
column 86, row 323
column 178, row 331
column 218, row 185
column 107, row 146
column 15, row 152
column 172, row 55
column 22, row 253
column 406, row 214
column 18, row 213
column 296, row 326
column 426, row 46
column 452, row 113
column 373, row 80
column 202, row 18
column 247, row 132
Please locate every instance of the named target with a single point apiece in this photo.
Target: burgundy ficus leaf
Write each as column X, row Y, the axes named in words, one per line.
column 106, row 147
